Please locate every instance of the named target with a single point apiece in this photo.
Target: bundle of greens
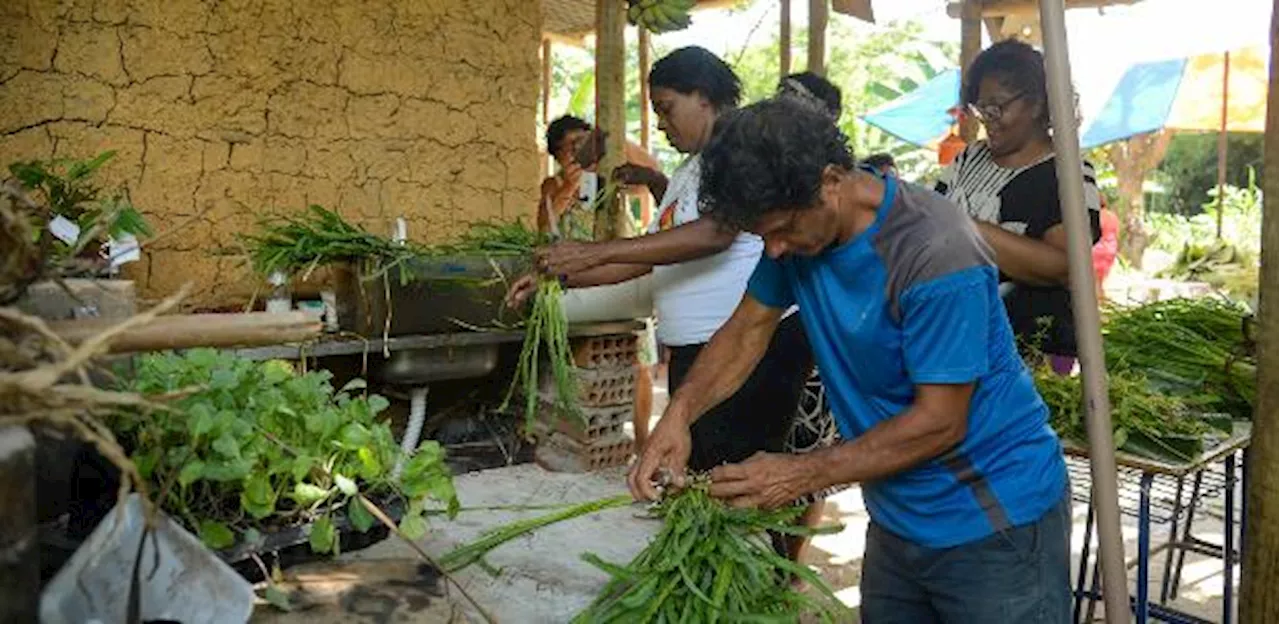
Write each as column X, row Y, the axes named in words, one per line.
column 1195, row 348
column 1144, row 421
column 711, row 563
column 299, row 244
column 254, row 446
column 493, row 238
column 547, row 330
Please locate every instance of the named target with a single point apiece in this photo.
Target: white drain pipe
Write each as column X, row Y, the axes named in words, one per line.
column 417, row 416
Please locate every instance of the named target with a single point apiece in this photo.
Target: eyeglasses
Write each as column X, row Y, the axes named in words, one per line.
column 987, row 113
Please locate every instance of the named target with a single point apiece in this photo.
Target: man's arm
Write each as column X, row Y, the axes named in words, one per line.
column 936, row 421
column 727, row 360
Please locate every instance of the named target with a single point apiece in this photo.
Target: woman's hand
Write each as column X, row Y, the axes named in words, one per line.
column 521, row 290
column 666, row 453
column 569, row 258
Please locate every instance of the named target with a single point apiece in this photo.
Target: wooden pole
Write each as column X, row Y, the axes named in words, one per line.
column 611, row 107
column 19, row 544
column 1258, row 578
column 646, row 202
column 1222, row 137
column 784, row 39
column 970, row 46
column 645, row 63
column 186, row 331
column 1084, row 305
column 818, row 37
column 544, row 164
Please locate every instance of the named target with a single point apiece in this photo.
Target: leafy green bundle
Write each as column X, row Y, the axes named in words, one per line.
column 299, row 244
column 1194, row 348
column 1144, row 421
column 254, row 446
column 712, row 563
column 547, row 330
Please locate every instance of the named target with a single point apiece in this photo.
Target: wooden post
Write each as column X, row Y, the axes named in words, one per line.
column 1258, row 578
column 646, row 202
column 970, row 46
column 19, row 552
column 544, row 164
column 784, row 39
column 1222, row 136
column 818, row 37
column 611, row 107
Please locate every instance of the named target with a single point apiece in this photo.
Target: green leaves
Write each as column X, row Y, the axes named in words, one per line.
column 323, row 537
column 358, row 516
column 216, row 535
column 258, row 498
column 253, row 445
column 307, row 494
column 413, row 526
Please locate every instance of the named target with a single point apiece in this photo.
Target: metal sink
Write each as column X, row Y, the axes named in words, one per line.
column 420, row 367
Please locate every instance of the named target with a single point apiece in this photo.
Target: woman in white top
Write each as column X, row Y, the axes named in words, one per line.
column 700, row 268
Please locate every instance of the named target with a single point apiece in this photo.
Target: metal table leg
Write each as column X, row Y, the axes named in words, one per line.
column 1228, row 545
column 1186, row 534
column 1083, row 568
column 1173, row 541
column 1144, row 547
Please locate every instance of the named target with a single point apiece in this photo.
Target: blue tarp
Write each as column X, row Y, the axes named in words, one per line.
column 1140, row 103
column 920, row 117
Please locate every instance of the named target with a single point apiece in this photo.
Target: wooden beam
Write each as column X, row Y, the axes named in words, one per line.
column 1001, row 8
column 970, row 46
column 611, row 107
column 1258, row 577
column 784, row 39
column 643, row 40
column 818, row 37
column 546, row 81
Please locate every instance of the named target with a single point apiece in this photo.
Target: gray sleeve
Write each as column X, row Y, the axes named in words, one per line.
column 925, row 236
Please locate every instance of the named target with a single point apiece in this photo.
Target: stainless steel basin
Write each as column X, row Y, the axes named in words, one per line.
column 424, row 366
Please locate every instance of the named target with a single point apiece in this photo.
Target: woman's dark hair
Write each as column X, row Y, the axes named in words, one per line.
column 811, row 85
column 694, row 69
column 768, row 156
column 557, row 130
column 1017, row 66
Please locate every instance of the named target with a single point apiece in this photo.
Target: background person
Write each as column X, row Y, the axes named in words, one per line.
column 1009, row 186
column 700, row 269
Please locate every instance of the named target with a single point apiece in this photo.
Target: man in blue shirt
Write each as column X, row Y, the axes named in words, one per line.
column 962, row 476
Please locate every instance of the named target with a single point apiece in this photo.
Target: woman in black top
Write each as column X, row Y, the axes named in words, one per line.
column 1008, row 184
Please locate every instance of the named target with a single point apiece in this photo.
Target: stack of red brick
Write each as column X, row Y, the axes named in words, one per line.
column 606, row 393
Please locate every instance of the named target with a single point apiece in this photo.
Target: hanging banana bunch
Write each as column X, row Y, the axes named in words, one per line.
column 660, row 16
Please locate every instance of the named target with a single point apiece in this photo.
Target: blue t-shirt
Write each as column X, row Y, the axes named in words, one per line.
column 913, row 300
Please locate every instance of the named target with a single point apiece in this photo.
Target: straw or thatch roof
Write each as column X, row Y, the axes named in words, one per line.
column 571, row 20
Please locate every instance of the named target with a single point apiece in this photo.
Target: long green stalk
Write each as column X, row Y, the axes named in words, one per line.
column 546, row 333
column 468, row 554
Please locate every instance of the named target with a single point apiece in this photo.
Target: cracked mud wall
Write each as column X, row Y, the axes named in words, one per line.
column 223, row 111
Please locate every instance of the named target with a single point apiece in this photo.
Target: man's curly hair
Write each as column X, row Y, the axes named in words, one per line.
column 768, row 156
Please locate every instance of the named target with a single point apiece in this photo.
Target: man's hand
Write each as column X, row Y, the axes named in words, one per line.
column 766, row 480
column 667, row 450
column 521, row 290
column 569, row 258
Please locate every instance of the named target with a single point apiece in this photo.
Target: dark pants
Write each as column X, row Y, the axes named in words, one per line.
column 1019, row 575
column 758, row 416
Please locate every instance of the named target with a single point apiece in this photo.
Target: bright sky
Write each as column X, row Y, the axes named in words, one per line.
column 1102, row 44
